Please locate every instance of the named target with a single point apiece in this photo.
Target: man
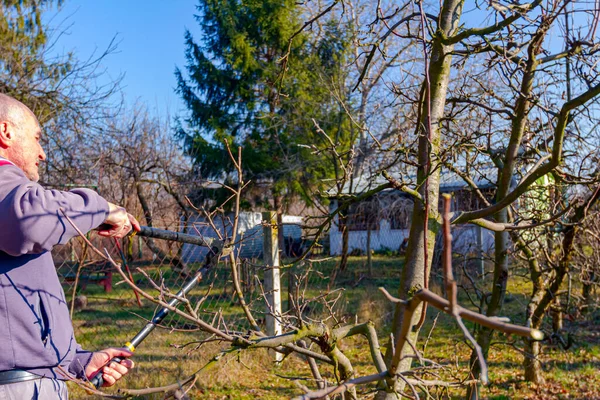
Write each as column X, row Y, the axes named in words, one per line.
column 38, row 349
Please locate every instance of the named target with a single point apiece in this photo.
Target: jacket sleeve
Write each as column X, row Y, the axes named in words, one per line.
column 31, row 220
column 80, row 362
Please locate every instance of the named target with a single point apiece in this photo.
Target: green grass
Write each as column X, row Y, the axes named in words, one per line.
column 112, row 319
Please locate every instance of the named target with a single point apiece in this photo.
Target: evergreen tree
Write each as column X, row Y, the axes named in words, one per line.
column 255, row 81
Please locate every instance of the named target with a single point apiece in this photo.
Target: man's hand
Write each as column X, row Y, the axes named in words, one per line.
column 118, row 223
column 112, row 372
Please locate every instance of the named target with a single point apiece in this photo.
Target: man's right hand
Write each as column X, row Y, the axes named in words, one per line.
column 111, row 372
column 118, row 223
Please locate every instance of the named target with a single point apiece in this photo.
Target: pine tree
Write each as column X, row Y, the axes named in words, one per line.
column 257, row 82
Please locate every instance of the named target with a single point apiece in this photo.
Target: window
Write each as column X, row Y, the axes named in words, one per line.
column 362, row 216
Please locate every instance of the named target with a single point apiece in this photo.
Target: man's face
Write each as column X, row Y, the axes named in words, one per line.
column 27, row 151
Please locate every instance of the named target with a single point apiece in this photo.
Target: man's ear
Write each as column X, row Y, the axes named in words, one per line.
column 6, row 135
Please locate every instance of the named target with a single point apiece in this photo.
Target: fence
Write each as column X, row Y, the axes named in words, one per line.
column 107, row 313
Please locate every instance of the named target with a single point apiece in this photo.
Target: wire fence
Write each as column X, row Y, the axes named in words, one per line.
column 106, row 311
column 93, row 288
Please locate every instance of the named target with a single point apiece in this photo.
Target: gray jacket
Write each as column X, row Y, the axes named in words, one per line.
column 36, row 333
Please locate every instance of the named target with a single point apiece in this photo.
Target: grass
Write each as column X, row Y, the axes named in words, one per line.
column 113, row 318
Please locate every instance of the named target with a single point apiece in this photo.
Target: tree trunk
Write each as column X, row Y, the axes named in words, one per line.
column 345, row 238
column 557, row 316
column 413, row 278
column 177, row 264
column 531, row 362
column 545, row 296
column 129, row 247
column 500, row 280
column 587, row 291
column 425, row 223
column 505, row 179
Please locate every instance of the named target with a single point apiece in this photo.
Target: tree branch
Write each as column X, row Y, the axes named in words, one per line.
column 555, row 160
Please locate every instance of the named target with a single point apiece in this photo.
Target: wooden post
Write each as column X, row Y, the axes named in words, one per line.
column 369, row 258
column 140, row 247
column 73, row 254
column 272, row 282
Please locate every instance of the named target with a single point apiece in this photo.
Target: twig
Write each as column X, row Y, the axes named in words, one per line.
column 392, row 298
column 451, row 291
column 77, row 274
column 206, row 327
column 86, row 385
column 232, row 258
column 449, row 281
column 82, row 235
column 490, row 322
column 482, row 362
column 159, row 389
column 124, row 259
column 320, row 394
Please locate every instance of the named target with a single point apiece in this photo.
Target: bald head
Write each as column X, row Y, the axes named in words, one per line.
column 19, row 136
column 13, row 110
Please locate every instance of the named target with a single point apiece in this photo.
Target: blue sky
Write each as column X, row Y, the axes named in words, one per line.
column 149, row 34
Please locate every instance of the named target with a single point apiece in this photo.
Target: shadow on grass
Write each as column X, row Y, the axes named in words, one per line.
column 572, row 366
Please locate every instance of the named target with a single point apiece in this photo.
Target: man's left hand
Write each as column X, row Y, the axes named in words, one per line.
column 112, row 372
column 118, row 223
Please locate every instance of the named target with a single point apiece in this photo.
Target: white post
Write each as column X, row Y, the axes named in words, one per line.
column 272, row 282
column 479, row 233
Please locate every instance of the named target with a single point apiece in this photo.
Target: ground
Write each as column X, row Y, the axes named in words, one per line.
column 171, row 354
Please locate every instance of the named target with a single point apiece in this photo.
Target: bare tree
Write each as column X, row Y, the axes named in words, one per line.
column 63, row 91
column 147, row 172
column 586, row 263
column 316, row 341
column 492, row 96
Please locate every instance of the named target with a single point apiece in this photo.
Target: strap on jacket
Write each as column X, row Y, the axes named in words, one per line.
column 5, row 162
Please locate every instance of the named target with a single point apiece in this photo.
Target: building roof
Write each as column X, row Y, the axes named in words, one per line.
column 484, row 178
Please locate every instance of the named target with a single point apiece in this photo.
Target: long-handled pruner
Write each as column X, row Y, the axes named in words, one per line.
column 217, row 249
